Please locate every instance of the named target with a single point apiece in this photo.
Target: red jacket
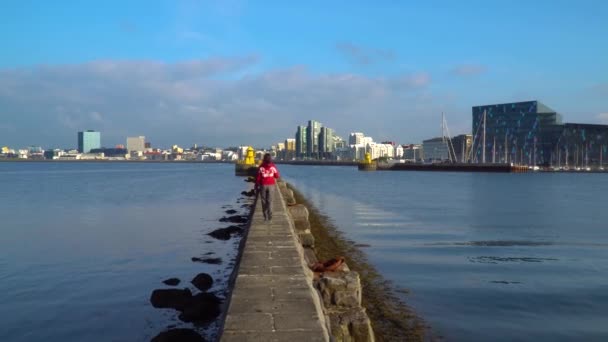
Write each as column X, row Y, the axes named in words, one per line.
column 266, row 174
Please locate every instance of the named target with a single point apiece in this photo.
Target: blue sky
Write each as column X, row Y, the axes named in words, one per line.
column 235, row 72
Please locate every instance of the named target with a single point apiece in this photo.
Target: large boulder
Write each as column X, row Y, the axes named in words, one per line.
column 302, row 226
column 178, row 335
column 202, row 308
column 352, row 325
column 340, row 289
column 298, row 212
column 307, row 240
column 202, row 281
column 170, row 298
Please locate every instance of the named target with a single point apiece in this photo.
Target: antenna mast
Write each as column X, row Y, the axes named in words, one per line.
column 483, row 151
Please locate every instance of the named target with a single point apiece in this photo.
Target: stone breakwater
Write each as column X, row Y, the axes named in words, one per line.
column 278, row 297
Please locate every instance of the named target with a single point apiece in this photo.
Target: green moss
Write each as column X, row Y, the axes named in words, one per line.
column 391, row 318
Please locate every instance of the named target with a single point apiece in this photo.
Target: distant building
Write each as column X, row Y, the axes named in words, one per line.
column 381, row 150
column 312, row 139
column 88, row 140
column 413, row 152
column 290, row 149
column 356, row 138
column 110, row 152
column 326, row 143
column 399, row 152
column 524, row 132
column 136, row 144
column 462, row 147
column 301, row 141
column 435, row 149
column 580, row 145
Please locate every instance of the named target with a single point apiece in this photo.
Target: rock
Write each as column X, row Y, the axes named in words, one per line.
column 213, row 261
column 362, row 245
column 202, row 281
column 203, row 308
column 178, row 335
column 290, row 201
column 340, row 289
column 310, row 256
column 298, row 212
column 302, row 226
column 230, row 211
column 249, row 193
column 307, row 240
column 235, row 219
column 226, row 233
column 351, row 325
column 287, row 193
column 171, row 281
column 170, row 298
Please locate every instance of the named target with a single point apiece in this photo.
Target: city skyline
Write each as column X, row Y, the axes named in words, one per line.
column 225, row 74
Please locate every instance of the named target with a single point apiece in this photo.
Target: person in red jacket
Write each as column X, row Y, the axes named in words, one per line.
column 265, row 184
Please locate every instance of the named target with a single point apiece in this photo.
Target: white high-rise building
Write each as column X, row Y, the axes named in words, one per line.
column 399, row 151
column 137, row 144
column 355, row 138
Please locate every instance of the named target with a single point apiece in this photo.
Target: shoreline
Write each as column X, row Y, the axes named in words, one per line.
column 391, row 318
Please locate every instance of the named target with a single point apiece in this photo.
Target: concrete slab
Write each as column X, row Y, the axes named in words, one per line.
column 273, row 299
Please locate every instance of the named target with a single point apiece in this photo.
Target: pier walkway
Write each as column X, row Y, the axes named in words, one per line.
column 273, row 298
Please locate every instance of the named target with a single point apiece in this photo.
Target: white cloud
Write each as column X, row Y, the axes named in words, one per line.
column 203, row 101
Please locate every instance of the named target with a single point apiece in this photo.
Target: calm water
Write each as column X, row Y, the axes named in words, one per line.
column 83, row 245
column 487, row 257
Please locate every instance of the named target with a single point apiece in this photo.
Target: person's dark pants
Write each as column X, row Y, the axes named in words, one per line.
column 267, row 196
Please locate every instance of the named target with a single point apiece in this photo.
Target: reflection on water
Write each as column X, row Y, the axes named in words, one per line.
column 486, row 257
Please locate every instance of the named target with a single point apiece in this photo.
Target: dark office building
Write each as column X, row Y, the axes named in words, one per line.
column 531, row 133
column 522, row 132
column 461, row 145
column 581, row 145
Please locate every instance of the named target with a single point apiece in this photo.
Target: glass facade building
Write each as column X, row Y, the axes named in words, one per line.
column 581, row 145
column 530, row 133
column 88, row 140
column 326, row 143
column 312, row 139
column 301, row 140
column 521, row 132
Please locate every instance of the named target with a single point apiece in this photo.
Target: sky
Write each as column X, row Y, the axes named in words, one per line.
column 225, row 73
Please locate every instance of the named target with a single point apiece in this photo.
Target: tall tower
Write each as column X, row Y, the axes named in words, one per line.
column 312, row 139
column 88, row 140
column 301, row 140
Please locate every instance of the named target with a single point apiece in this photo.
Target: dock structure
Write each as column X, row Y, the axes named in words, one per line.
column 273, row 298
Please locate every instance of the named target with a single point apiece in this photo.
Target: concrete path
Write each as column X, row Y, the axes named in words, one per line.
column 273, row 298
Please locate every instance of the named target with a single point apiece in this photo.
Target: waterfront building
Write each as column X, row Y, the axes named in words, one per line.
column 326, row 143
column 520, row 132
column 312, row 139
column 461, row 145
column 290, row 149
column 136, row 144
column 301, row 141
column 531, row 133
column 88, row 140
column 110, row 152
column 580, row 145
column 413, row 152
column 399, row 151
column 435, row 149
column 381, row 150
column 356, row 138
